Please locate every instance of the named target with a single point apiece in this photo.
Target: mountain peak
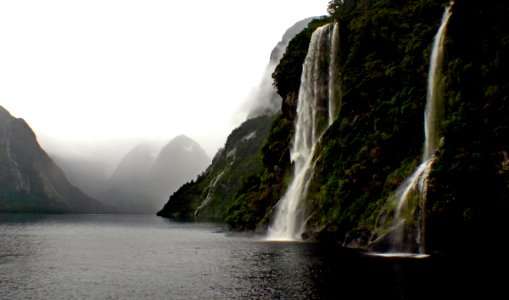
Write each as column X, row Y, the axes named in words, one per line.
column 4, row 113
column 143, row 181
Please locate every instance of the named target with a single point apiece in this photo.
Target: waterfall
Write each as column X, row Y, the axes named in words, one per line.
column 316, row 109
column 334, row 76
column 210, row 188
column 417, row 182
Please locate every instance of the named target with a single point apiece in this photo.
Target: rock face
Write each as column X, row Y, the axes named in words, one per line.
column 144, row 179
column 29, row 180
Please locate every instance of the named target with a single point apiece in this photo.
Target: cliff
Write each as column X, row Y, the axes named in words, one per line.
column 376, row 142
column 377, row 139
column 238, row 164
column 29, row 180
column 213, row 191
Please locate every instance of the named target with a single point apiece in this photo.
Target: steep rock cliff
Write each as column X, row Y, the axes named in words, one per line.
column 29, row 180
column 376, row 141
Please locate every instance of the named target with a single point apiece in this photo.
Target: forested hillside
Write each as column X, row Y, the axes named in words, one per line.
column 376, row 141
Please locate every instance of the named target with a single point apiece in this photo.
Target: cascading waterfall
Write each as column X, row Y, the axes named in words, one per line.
column 334, row 75
column 417, row 182
column 316, row 110
column 208, row 199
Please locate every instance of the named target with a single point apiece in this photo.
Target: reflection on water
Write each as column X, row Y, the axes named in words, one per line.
column 398, row 255
column 145, row 257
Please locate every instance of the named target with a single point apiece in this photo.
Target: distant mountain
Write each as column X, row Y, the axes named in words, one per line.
column 127, row 188
column 29, row 179
column 181, row 160
column 143, row 181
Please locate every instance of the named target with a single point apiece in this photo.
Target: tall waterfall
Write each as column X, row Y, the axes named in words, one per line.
column 316, row 109
column 417, row 182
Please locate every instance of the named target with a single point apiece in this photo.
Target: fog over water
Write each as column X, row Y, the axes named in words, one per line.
column 102, row 76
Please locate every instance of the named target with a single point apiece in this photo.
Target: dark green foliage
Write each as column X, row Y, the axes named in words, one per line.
column 254, row 201
column 377, row 139
column 239, row 159
column 469, row 191
column 260, row 192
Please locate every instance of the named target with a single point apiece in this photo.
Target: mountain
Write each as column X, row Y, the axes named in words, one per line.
column 181, row 160
column 86, row 173
column 127, row 189
column 364, row 158
column 370, row 156
column 212, row 192
column 239, row 162
column 29, row 180
column 144, row 178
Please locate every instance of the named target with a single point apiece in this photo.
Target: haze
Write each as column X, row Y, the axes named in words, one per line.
column 109, row 72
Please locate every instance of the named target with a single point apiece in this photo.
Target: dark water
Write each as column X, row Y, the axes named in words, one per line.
column 146, row 257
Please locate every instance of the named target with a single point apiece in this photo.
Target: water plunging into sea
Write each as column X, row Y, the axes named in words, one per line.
column 418, row 181
column 316, row 110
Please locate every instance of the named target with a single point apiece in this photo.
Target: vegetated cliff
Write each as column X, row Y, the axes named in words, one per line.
column 469, row 190
column 254, row 202
column 210, row 195
column 237, row 166
column 377, row 138
column 30, row 181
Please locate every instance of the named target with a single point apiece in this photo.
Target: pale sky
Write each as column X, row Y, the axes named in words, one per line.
column 97, row 71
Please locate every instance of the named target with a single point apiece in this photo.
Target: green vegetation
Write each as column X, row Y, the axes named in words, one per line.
column 261, row 191
column 377, row 140
column 217, row 186
column 257, row 196
column 288, row 72
column 469, row 194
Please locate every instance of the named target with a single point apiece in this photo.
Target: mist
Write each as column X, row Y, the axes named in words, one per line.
column 264, row 99
column 101, row 72
column 139, row 178
column 94, row 80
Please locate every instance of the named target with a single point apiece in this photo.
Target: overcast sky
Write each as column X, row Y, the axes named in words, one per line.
column 96, row 71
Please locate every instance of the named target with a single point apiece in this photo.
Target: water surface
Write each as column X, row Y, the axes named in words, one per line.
column 146, row 257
